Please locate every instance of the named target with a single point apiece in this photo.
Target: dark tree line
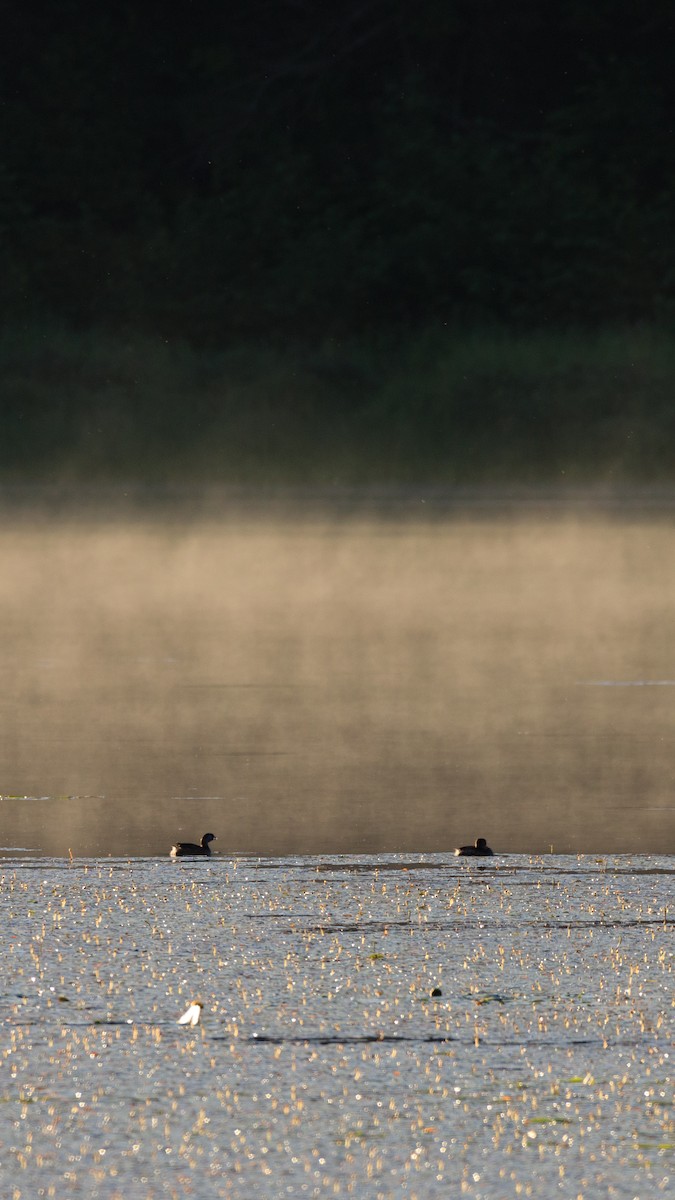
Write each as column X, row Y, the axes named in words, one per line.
column 294, row 168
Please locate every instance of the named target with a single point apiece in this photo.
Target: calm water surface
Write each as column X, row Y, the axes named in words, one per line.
column 316, row 682
column 324, row 1065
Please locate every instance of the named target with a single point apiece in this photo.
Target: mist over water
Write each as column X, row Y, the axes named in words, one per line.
column 337, row 683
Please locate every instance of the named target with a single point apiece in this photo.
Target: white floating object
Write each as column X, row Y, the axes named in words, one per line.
column 192, row 1014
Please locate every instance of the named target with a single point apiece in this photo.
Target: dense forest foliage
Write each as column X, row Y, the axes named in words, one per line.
column 286, row 240
column 285, row 167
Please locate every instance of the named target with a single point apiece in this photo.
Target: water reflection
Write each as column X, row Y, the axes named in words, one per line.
column 342, row 684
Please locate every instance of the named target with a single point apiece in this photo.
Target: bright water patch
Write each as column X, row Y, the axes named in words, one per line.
column 399, row 1025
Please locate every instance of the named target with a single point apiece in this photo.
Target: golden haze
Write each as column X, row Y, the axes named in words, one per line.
column 338, row 684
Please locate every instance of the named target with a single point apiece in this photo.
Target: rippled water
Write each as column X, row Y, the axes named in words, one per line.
column 325, row 1064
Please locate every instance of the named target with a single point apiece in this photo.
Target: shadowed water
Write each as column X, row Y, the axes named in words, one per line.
column 395, row 1025
column 329, row 681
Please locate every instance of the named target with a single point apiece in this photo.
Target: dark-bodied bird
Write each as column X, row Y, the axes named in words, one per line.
column 480, row 848
column 187, row 849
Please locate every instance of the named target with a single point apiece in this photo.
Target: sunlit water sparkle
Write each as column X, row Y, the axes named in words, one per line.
column 323, row 1064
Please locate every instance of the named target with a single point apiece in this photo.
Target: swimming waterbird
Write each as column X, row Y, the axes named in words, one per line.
column 480, row 848
column 185, row 849
column 192, row 1014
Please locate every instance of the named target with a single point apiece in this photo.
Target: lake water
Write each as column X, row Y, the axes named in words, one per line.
column 317, row 678
column 324, row 1065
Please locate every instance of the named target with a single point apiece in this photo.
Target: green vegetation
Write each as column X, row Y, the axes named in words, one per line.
column 438, row 407
column 313, row 219
column 268, row 167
